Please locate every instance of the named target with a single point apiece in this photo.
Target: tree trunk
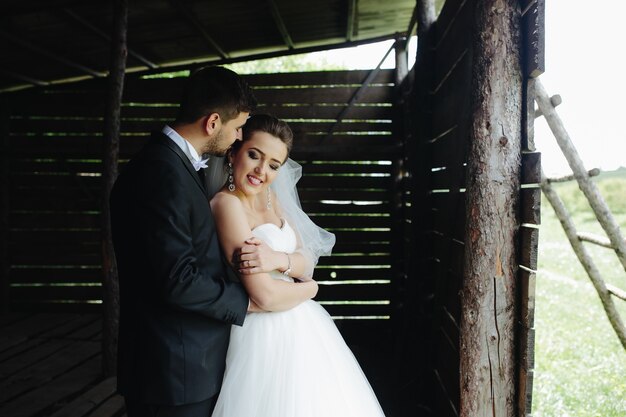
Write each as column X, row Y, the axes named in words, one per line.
column 109, row 174
column 488, row 379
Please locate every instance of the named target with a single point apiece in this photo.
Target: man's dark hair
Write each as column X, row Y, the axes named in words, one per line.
column 215, row 90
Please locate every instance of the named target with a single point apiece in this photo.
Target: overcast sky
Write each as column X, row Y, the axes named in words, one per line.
column 585, row 64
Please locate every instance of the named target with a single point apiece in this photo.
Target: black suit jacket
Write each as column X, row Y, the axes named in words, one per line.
column 176, row 304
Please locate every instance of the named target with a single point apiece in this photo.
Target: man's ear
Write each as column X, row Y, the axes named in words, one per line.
column 212, row 123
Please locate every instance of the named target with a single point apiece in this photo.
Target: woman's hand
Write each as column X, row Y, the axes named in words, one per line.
column 257, row 257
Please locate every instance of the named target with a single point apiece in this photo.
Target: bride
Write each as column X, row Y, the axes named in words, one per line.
column 289, row 361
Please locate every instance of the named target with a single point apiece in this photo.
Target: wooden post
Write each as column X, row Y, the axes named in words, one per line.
column 411, row 351
column 109, row 174
column 402, row 66
column 588, row 187
column 585, row 259
column 487, row 353
column 4, row 206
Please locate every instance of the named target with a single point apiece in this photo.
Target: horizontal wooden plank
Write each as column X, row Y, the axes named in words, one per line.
column 336, row 194
column 65, row 387
column 57, row 165
column 55, row 307
column 314, row 207
column 54, row 292
column 86, row 402
column 58, row 237
column 527, row 283
column 353, row 292
column 89, row 147
column 531, row 168
column 33, row 325
column 59, row 107
column 357, row 222
column 365, row 248
column 77, row 147
column 346, row 236
column 373, row 111
column 50, row 256
column 165, row 91
column 358, row 310
column 382, row 260
column 354, row 182
column 34, row 199
column 130, row 125
column 320, row 78
column 528, row 247
column 334, row 275
column 530, row 205
column 448, row 178
column 347, row 168
column 36, row 375
column 54, row 180
column 34, row 221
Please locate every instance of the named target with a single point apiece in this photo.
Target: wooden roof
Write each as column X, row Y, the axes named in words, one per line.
column 46, row 41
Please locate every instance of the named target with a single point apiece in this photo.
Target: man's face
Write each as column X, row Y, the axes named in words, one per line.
column 225, row 135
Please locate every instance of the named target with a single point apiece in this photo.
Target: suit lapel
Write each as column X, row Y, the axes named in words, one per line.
column 162, row 139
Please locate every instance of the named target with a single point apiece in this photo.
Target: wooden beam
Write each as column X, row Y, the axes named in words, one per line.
column 43, row 52
column 592, row 173
column 402, row 65
column 253, row 57
column 110, row 284
column 191, row 18
column 88, row 25
column 21, row 77
column 358, row 92
column 585, row 259
column 588, row 187
column 488, row 371
column 351, row 21
column 280, row 24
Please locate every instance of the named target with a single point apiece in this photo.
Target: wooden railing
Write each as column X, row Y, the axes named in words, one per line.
column 602, row 212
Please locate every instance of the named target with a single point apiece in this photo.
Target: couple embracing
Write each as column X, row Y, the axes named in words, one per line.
column 215, row 259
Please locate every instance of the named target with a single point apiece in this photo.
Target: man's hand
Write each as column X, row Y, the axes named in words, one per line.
column 256, row 257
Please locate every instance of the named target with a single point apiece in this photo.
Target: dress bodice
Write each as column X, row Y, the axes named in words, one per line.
column 280, row 239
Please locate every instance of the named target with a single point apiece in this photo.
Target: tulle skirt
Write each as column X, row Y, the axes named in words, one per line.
column 293, row 364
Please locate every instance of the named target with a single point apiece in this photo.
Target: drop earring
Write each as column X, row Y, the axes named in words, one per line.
column 231, row 184
column 269, row 199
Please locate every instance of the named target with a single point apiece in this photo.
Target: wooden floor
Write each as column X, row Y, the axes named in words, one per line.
column 50, row 365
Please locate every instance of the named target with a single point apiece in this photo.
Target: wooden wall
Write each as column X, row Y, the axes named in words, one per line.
column 53, row 178
column 439, row 185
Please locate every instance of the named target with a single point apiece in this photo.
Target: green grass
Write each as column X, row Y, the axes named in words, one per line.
column 580, row 366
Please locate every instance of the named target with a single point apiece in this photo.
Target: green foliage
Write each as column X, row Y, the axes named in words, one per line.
column 579, row 362
column 291, row 63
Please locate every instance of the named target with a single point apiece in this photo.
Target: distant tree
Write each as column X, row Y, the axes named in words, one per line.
column 291, row 63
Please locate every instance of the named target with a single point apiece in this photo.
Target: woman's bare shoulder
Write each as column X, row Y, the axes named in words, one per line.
column 224, row 199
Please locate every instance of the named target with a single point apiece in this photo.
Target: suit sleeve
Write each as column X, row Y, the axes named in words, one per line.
column 165, row 218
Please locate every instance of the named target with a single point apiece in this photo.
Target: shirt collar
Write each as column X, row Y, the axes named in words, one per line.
column 186, row 147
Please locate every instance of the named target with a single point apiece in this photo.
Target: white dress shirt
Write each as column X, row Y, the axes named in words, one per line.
column 186, row 147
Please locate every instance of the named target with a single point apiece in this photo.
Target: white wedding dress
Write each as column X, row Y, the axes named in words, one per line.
column 292, row 363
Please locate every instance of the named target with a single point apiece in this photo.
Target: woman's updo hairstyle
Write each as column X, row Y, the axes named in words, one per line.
column 268, row 124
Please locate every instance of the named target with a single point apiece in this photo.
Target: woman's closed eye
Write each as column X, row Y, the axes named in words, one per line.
column 252, row 154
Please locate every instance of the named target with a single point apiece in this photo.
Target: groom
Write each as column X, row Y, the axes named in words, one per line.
column 176, row 305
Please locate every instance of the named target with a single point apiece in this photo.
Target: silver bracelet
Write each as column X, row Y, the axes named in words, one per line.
column 288, row 270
